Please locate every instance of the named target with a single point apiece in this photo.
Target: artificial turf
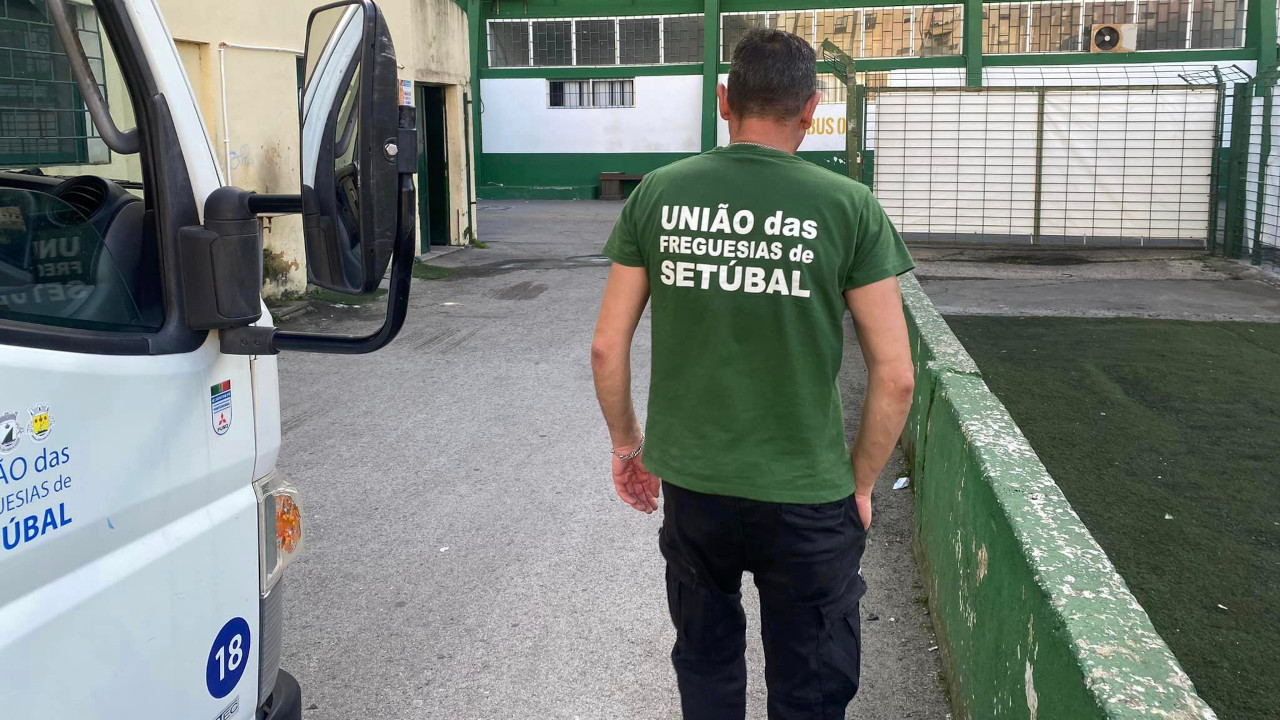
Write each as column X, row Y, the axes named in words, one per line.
column 1165, row 438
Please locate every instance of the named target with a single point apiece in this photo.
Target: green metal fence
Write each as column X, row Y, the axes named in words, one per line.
column 1251, row 228
column 1068, row 156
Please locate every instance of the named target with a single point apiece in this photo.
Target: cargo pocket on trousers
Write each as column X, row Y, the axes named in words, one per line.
column 841, row 661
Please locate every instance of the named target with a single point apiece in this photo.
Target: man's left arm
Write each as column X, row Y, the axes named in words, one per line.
column 875, row 300
column 625, row 297
column 882, row 334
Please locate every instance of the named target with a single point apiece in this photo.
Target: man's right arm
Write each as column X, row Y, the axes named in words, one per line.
column 625, row 295
column 882, row 334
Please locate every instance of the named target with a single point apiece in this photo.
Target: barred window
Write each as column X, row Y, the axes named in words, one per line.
column 42, row 117
column 569, row 93
column 834, row 92
column 1218, row 24
column 509, row 43
column 572, row 94
column 640, row 41
column 596, row 42
column 1058, row 26
column 735, row 25
column 843, row 28
column 876, row 32
column 552, row 42
column 614, row 93
column 683, row 39
column 1164, row 25
column 1007, row 28
column 941, row 29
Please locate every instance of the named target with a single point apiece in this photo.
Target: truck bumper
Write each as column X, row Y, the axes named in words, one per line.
column 285, row 702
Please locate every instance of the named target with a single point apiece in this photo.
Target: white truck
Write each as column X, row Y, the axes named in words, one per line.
column 144, row 528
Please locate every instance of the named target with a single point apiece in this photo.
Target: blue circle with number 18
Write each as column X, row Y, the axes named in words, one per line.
column 228, row 658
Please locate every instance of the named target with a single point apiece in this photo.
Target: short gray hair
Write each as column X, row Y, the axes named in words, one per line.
column 774, row 73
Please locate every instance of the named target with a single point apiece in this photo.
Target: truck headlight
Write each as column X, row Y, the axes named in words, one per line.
column 280, row 530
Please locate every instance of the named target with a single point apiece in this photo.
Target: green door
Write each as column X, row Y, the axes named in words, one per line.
column 433, row 166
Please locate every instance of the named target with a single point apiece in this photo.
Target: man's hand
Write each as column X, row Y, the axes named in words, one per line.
column 864, row 509
column 635, row 484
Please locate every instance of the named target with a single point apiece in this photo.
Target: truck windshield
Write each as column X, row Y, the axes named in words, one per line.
column 77, row 246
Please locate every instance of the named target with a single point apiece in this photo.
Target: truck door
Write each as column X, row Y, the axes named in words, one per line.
column 129, row 555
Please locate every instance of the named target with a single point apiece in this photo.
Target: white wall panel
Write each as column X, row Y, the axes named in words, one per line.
column 957, row 162
column 667, row 118
column 1115, row 163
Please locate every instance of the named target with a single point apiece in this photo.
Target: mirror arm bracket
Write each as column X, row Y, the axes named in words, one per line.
column 248, row 340
column 260, row 204
column 252, row 340
column 125, row 142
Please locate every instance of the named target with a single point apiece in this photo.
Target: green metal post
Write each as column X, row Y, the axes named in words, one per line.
column 1260, row 33
column 475, row 28
column 856, row 113
column 710, row 74
column 1266, row 85
column 973, row 42
column 1241, row 117
column 1215, row 161
column 1039, row 188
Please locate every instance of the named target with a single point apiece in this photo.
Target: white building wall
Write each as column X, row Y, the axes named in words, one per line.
column 667, row 118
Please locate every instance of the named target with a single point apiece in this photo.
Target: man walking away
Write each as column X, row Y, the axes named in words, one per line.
column 752, row 257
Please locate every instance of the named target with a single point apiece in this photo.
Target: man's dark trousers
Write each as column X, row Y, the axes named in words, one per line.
column 805, row 560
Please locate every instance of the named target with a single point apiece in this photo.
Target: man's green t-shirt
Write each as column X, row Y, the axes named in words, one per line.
column 749, row 251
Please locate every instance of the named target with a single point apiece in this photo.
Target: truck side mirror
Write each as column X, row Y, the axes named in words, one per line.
column 349, row 129
column 358, row 200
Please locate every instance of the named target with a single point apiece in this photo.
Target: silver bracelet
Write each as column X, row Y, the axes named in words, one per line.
column 634, row 453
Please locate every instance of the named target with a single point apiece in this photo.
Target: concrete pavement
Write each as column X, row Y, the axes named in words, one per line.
column 466, row 555
column 1175, row 285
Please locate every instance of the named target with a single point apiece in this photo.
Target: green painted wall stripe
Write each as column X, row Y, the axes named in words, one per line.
column 526, row 192
column 878, row 64
column 604, row 71
column 568, row 169
column 974, row 27
column 1032, row 619
column 560, row 170
column 1145, row 56
column 475, row 28
column 1264, row 153
column 1260, row 33
column 516, row 9
column 766, row 5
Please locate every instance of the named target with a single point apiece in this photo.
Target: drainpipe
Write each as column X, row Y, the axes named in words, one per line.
column 466, row 131
column 222, row 68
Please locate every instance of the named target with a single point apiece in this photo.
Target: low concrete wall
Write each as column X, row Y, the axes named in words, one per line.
column 1032, row 619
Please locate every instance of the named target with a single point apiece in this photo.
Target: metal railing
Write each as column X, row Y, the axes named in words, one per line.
column 1046, row 156
column 1251, row 230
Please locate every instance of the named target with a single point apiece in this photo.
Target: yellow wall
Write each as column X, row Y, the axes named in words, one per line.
column 430, row 37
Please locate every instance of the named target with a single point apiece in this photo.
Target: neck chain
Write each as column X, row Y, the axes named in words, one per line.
column 744, row 142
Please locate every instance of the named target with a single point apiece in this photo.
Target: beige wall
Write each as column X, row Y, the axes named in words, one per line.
column 432, row 47
column 261, row 129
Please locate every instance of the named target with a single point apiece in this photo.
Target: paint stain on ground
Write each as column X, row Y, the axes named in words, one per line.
column 520, row 291
column 444, row 342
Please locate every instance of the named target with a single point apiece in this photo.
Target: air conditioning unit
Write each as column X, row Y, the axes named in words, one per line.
column 1113, row 38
